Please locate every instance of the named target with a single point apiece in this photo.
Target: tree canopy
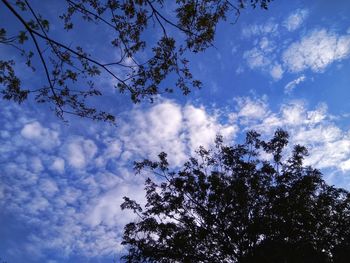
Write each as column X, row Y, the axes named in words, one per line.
column 70, row 71
column 244, row 203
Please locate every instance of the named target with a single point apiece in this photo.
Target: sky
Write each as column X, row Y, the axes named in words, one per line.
column 62, row 183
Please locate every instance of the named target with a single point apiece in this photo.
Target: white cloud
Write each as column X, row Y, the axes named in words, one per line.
column 276, row 72
column 319, row 114
column 329, row 146
column 292, row 84
column 295, row 19
column 249, row 109
column 256, row 58
column 203, row 128
column 48, row 186
column 316, row 51
column 104, row 210
column 257, row 30
column 76, row 209
column 274, row 53
column 345, row 165
column 71, row 191
column 149, row 132
column 32, row 130
column 43, row 137
column 79, row 152
column 262, row 57
column 113, row 151
column 37, row 204
column 58, row 165
column 171, row 128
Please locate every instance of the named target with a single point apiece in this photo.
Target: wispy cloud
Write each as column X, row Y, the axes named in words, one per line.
column 316, row 51
column 262, row 57
column 295, row 19
column 254, row 30
column 292, row 84
column 256, row 58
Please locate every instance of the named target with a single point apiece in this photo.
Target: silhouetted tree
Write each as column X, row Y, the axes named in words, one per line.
column 230, row 205
column 70, row 72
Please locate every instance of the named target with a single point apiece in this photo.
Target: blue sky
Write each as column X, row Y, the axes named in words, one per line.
column 61, row 184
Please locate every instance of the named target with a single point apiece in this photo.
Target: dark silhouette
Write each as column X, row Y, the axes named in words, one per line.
column 230, row 205
column 66, row 69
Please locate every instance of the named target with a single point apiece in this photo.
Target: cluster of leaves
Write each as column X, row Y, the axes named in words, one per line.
column 230, row 205
column 68, row 68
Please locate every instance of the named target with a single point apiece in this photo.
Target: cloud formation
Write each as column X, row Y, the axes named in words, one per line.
column 316, row 51
column 170, row 127
column 71, row 186
column 79, row 152
column 292, row 84
column 257, row 30
column 44, row 137
column 295, row 19
column 262, row 57
column 276, row 51
column 71, row 192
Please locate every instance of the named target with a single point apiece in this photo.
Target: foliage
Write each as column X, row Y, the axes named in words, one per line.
column 230, row 205
column 68, row 69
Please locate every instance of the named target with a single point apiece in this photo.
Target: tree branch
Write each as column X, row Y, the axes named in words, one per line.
column 56, row 98
column 34, row 33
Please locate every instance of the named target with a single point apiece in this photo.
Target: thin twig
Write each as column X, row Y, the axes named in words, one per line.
column 38, row 50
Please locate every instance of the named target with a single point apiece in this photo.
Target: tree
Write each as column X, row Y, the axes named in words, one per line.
column 230, row 205
column 71, row 72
